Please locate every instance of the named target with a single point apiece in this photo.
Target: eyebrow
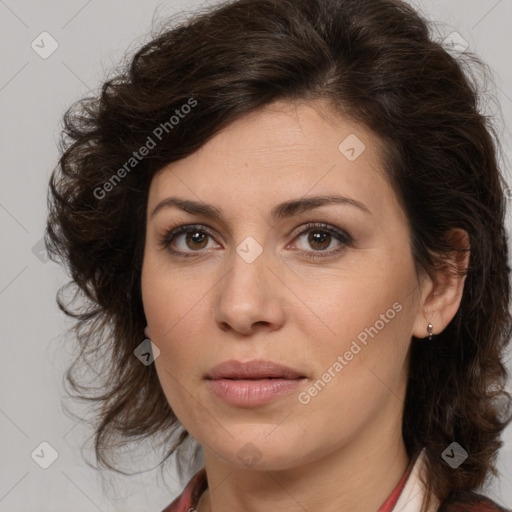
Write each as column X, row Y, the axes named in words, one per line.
column 281, row 211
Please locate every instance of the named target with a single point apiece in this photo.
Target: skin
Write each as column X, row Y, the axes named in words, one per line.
column 343, row 450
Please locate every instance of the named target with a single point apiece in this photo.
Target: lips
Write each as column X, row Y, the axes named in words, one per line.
column 252, row 370
column 254, row 383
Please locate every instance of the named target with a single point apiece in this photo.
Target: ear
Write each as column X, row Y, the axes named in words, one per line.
column 441, row 291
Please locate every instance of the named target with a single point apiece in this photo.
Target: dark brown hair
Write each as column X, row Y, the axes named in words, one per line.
column 376, row 62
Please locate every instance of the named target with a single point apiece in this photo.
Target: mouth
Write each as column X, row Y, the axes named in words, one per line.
column 254, row 383
column 254, row 378
column 253, row 370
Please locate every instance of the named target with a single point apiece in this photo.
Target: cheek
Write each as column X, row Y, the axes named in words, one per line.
column 171, row 312
column 176, row 309
column 362, row 371
column 366, row 347
column 356, row 301
column 366, row 325
column 167, row 295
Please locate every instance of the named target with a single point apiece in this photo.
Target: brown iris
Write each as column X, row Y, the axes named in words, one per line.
column 319, row 237
column 196, row 237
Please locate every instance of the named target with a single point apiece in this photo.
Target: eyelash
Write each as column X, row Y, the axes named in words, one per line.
column 343, row 237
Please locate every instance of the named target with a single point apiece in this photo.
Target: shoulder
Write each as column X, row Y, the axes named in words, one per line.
column 470, row 501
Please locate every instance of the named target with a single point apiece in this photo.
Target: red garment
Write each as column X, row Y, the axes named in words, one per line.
column 189, row 498
column 462, row 501
column 388, row 505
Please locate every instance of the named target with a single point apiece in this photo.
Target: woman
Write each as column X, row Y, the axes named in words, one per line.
column 287, row 221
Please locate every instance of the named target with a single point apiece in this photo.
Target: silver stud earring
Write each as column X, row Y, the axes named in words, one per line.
column 430, row 332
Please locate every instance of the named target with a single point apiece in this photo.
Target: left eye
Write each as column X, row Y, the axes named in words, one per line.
column 320, row 237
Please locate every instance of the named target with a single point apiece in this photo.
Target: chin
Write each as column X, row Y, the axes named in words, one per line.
column 262, row 454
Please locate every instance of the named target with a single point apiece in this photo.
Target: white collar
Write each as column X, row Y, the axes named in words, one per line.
column 413, row 493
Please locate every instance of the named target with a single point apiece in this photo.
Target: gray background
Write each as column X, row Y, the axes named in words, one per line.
column 93, row 36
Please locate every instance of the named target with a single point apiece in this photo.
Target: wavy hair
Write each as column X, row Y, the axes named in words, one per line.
column 377, row 63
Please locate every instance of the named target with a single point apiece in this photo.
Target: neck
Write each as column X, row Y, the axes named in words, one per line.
column 357, row 477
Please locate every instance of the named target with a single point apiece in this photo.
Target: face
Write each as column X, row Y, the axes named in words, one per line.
column 328, row 289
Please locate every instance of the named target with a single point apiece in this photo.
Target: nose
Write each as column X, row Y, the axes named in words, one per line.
column 249, row 298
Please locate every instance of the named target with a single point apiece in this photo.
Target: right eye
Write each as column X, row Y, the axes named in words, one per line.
column 187, row 240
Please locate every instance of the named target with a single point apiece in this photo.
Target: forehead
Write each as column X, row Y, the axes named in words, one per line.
column 283, row 151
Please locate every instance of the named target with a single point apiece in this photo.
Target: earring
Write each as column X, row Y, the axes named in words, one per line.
column 430, row 332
